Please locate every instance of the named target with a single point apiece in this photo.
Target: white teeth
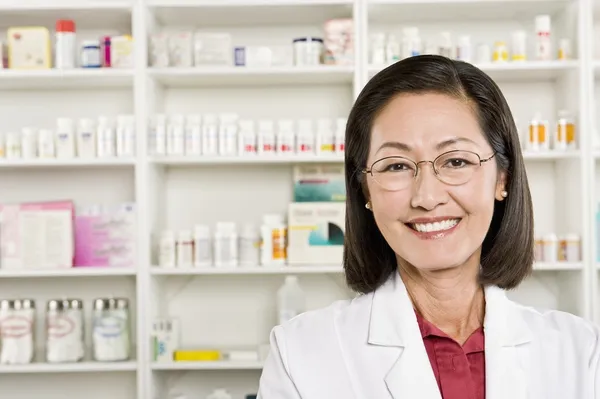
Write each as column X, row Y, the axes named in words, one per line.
column 437, row 226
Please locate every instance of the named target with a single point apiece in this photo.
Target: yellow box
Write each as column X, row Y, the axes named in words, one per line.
column 29, row 48
column 197, row 356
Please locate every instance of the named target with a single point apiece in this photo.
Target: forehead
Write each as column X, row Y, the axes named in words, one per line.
column 422, row 121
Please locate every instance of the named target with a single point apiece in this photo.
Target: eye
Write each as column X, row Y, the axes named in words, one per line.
column 456, row 163
column 396, row 167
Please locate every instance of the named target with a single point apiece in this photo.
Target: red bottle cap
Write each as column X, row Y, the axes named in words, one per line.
column 65, row 25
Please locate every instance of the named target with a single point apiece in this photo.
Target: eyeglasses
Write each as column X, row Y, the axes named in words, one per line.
column 453, row 167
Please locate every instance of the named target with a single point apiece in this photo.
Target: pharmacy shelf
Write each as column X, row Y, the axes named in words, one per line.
column 550, row 155
column 399, row 11
column 530, row 71
column 73, row 79
column 246, row 76
column 209, row 365
column 72, row 272
column 241, row 270
column 85, row 367
column 557, row 266
column 254, row 12
column 247, row 160
column 67, row 163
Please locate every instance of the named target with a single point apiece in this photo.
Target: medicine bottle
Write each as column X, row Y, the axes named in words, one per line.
column 185, row 249
column 167, row 252
column 266, row 137
column 91, row 56
column 86, row 138
column 226, row 245
column 538, row 134
column 325, row 136
column 464, row 50
column 13, row 145
column 340, row 135
column 500, row 52
column 285, row 136
column 543, row 45
column 249, row 246
column 46, row 143
column 193, row 135
column 210, row 131
column 202, row 246
column 247, row 143
column 572, row 247
column 65, row 138
column 550, row 248
column 65, row 46
column 176, row 135
column 105, row 135
column 446, row 48
column 228, row 131
column 519, row 46
column 378, row 49
column 392, row 49
column 29, row 143
column 273, row 234
column 125, row 136
column 565, row 131
column 291, row 300
column 305, row 143
column 564, row 49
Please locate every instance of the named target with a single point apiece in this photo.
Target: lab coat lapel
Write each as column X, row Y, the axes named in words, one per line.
column 394, row 325
column 506, row 348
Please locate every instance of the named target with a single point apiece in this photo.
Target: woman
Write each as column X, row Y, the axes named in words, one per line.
column 439, row 224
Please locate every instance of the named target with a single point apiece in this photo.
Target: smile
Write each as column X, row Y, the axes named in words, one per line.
column 435, row 226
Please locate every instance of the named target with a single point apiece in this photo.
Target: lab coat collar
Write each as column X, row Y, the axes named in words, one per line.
column 394, row 324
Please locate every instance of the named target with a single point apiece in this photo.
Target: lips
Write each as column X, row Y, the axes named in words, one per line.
column 434, row 228
column 430, row 227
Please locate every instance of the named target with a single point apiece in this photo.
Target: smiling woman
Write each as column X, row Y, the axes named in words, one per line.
column 439, row 225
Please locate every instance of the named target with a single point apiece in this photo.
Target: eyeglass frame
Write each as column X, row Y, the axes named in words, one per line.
column 417, row 168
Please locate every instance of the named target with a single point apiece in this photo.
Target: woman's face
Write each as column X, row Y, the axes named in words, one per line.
column 428, row 223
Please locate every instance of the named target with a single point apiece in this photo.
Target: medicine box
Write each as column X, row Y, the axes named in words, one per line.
column 319, row 183
column 316, row 233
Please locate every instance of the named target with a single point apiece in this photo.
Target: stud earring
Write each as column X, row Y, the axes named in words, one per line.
column 368, row 205
column 504, row 194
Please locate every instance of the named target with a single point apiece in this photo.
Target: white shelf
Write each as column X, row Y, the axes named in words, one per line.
column 215, row 365
column 73, row 79
column 67, row 163
column 72, row 272
column 550, row 155
column 256, row 160
column 557, row 266
column 85, row 367
column 529, row 71
column 245, row 76
column 242, row 270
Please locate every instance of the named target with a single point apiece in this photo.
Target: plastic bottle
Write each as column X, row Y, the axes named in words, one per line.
column 565, row 131
column 286, row 136
column 325, row 136
column 378, row 49
column 340, row 135
column 291, row 300
column 247, row 138
column 249, row 246
column 411, row 42
column 210, row 131
column 86, row 138
column 226, row 245
column 273, row 234
column 266, row 137
column 105, row 135
column 65, row 138
column 185, row 249
column 550, row 247
column 228, row 131
column 13, row 145
column 160, row 135
column 29, row 143
column 464, row 50
column 446, row 47
column 306, row 137
column 543, row 44
column 176, row 135
column 46, row 144
column 167, row 250
column 125, row 136
column 519, row 46
column 392, row 49
column 193, row 135
column 65, row 46
column 202, row 250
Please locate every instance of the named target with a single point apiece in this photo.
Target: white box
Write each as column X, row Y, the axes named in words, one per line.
column 316, row 233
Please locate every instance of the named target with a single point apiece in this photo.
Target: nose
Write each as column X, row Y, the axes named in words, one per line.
column 428, row 190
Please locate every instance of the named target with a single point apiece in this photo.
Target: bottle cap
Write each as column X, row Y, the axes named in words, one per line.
column 65, row 25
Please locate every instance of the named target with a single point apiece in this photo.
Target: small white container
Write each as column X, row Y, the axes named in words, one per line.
column 286, row 137
column 519, row 46
column 86, row 138
column 340, row 135
column 226, row 245
column 29, row 143
column 484, row 53
column 65, row 138
column 564, row 49
column 273, row 233
column 247, row 142
column 193, row 135
column 572, row 248
column 446, row 48
column 125, row 136
column 105, row 138
column 308, row 51
column 392, row 49
column 185, row 249
column 13, row 145
column 291, row 300
column 176, row 135
column 160, row 134
column 167, row 250
column 543, row 45
column 378, row 49
column 210, row 132
column 325, row 136
column 46, row 144
column 464, row 50
column 202, row 246
column 305, row 143
column 65, row 45
column 550, row 245
column 228, row 131
column 249, row 246
column 90, row 54
column 266, row 137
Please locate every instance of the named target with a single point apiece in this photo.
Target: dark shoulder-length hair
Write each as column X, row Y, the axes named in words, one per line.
column 507, row 252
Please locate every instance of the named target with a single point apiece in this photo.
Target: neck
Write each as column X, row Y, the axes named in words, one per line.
column 451, row 299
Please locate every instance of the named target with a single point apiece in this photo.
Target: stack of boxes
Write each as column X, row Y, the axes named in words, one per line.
column 316, row 218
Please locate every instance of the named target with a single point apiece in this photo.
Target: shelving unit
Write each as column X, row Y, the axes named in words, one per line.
column 223, row 308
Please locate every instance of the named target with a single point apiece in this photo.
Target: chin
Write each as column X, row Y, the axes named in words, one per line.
column 432, row 263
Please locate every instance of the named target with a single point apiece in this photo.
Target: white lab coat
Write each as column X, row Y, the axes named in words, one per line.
column 371, row 348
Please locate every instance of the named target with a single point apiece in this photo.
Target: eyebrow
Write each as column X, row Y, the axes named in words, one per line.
column 405, row 147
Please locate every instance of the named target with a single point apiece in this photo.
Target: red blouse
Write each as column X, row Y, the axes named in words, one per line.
column 459, row 371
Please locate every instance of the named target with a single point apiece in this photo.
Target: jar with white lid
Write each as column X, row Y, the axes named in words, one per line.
column 90, row 54
column 308, row 51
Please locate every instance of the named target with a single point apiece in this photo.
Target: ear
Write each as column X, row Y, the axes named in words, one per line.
column 501, row 191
